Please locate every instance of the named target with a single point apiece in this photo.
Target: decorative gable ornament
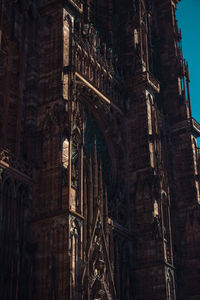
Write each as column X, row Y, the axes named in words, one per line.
column 97, row 277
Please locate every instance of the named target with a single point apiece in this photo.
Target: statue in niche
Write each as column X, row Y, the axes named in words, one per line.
column 156, row 221
column 65, row 160
column 74, row 226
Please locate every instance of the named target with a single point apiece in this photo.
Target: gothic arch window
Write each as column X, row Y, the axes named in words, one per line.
column 68, row 22
column 151, row 151
column 149, row 114
column 150, row 128
column 65, row 153
column 75, row 158
column 75, row 170
column 51, row 158
column 155, row 119
column 144, row 48
column 92, row 132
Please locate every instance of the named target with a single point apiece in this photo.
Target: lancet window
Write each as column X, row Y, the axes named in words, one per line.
column 67, row 39
column 149, row 114
column 65, row 153
column 75, row 160
column 144, row 37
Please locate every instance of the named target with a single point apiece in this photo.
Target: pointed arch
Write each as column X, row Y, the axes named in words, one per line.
column 67, row 36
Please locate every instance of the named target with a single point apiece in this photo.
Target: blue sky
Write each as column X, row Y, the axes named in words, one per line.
column 188, row 15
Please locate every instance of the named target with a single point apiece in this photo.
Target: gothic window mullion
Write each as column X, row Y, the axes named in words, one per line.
column 75, row 171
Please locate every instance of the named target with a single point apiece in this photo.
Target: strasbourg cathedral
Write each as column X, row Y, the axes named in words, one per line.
column 99, row 164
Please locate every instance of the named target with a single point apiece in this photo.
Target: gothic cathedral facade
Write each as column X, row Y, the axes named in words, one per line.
column 99, row 164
